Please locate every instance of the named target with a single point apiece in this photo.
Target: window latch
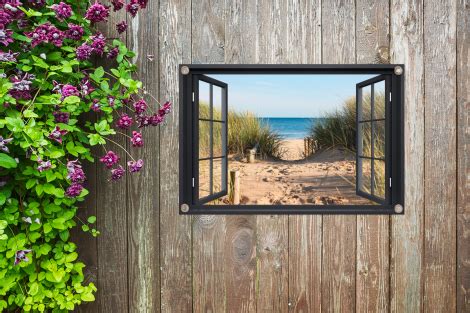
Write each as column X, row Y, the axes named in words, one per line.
column 389, row 97
column 193, row 96
column 390, row 182
column 193, row 182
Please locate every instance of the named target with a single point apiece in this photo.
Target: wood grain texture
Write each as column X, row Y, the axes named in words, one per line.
column 372, row 269
column 305, row 232
column 440, row 157
column 143, row 189
column 175, row 230
column 339, row 232
column 463, row 156
column 406, row 45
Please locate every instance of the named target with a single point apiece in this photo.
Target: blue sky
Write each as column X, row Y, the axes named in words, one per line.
column 289, row 95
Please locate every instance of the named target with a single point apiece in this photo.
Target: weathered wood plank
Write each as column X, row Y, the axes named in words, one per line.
column 175, row 230
column 406, row 47
column 305, row 232
column 339, row 232
column 272, row 231
column 463, row 156
column 372, row 269
column 440, row 157
column 143, row 188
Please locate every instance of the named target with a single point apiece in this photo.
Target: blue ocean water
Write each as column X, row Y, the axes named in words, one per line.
column 291, row 127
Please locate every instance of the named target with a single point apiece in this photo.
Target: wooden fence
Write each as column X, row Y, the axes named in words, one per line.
column 150, row 259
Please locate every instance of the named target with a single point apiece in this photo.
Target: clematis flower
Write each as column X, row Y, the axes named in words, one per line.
column 74, row 32
column 98, row 42
column 111, row 101
column 135, row 166
column 5, row 18
column 143, row 121
column 11, row 6
column 117, row 5
column 3, row 144
column 156, row 119
column 8, row 56
column 166, row 107
column 68, row 90
column 75, row 172
column 57, row 134
column 21, row 88
column 136, row 139
column 142, row 3
column 95, row 105
column 113, row 53
column 74, row 190
column 55, row 36
column 124, row 121
column 109, row 159
column 140, row 106
column 36, row 3
column 5, row 36
column 61, row 117
column 83, row 52
column 121, row 27
column 22, row 23
column 132, row 7
column 20, row 256
column 85, row 86
column 117, row 173
column 97, row 12
column 46, row 33
column 44, row 165
column 62, row 11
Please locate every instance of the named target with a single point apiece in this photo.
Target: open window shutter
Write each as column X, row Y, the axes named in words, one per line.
column 372, row 138
column 210, row 177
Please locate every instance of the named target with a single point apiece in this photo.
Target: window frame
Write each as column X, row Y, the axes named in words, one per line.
column 187, row 145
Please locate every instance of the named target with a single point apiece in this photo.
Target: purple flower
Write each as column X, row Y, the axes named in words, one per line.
column 20, row 256
column 117, row 5
column 97, row 13
column 37, row 3
column 132, row 7
column 136, row 139
column 46, row 33
column 8, row 56
column 5, row 36
column 135, row 166
column 83, row 52
column 3, row 144
column 62, row 11
column 22, row 23
column 95, row 105
column 124, row 121
column 69, row 90
column 77, row 176
column 86, row 87
column 57, row 134
column 109, row 159
column 98, row 42
column 5, row 18
column 113, row 53
column 74, row 32
column 121, row 27
column 156, row 119
column 142, row 3
column 74, row 190
column 44, row 165
column 61, row 117
column 111, row 101
column 12, row 8
column 21, row 88
column 143, row 121
column 72, row 166
column 55, row 36
column 166, row 107
column 117, row 173
column 140, row 106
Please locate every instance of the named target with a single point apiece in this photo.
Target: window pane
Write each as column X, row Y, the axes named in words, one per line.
column 364, row 109
column 217, row 175
column 204, row 139
column 217, row 137
column 365, row 142
column 379, row 178
column 217, row 102
column 204, row 100
column 379, row 139
column 204, row 178
column 379, row 100
column 364, row 181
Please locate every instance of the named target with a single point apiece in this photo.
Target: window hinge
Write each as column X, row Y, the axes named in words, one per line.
column 193, row 96
column 389, row 97
column 193, row 182
column 390, row 182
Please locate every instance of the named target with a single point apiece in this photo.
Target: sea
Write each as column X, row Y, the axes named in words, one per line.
column 291, row 127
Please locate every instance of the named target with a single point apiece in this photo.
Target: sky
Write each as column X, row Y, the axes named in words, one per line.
column 289, row 95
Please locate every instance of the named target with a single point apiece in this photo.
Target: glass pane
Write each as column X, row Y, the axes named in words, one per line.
column 364, row 180
column 365, row 142
column 379, row 100
column 379, row 178
column 217, row 137
column 204, row 100
column 204, row 178
column 204, row 139
column 379, row 139
column 217, row 102
column 364, row 110
column 217, row 175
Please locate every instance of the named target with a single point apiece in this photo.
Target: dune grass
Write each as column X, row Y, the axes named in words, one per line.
column 245, row 131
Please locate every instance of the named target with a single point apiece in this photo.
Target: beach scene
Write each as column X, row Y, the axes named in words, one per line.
column 299, row 147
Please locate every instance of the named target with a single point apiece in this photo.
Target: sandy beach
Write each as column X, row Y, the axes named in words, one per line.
column 326, row 177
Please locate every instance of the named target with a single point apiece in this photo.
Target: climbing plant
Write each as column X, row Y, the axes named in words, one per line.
column 55, row 104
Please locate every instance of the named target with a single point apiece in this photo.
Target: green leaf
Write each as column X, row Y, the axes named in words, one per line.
column 7, row 161
column 91, row 219
column 87, row 297
column 99, row 72
column 59, row 223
